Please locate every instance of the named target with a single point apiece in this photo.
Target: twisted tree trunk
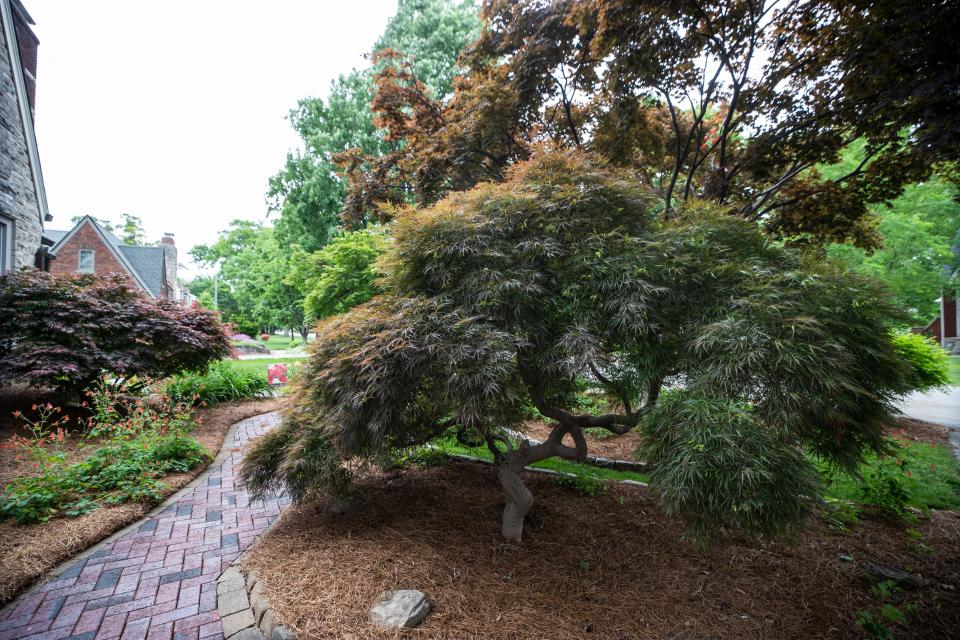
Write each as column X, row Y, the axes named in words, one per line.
column 519, row 500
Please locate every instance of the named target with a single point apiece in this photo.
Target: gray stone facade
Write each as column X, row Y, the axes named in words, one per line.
column 19, row 201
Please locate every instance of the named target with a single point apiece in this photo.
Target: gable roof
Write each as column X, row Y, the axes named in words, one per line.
column 53, row 236
column 149, row 262
column 118, row 249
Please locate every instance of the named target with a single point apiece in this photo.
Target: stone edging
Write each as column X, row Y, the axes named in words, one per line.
column 245, row 611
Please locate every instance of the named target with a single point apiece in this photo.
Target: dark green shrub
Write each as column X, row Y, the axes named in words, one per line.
column 220, row 383
column 715, row 464
column 512, row 294
column 929, row 364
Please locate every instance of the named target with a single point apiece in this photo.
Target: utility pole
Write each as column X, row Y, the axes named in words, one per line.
column 216, row 291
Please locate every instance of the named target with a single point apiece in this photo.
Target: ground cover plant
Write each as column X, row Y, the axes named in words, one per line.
column 67, row 332
column 137, row 443
column 29, row 551
column 508, row 294
column 220, row 383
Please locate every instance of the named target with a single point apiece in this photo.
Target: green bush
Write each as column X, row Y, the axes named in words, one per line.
column 221, row 383
column 140, row 444
column 715, row 464
column 929, row 364
column 585, row 485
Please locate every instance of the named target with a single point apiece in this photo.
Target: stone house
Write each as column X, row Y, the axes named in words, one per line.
column 89, row 248
column 23, row 201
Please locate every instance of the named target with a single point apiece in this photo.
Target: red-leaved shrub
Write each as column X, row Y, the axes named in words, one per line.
column 67, row 331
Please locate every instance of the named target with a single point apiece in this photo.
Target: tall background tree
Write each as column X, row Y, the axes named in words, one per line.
column 308, row 193
column 737, row 101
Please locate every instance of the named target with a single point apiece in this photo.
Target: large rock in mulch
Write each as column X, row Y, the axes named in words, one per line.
column 397, row 609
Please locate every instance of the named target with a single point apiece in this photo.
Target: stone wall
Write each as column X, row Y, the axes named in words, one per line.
column 18, row 199
column 86, row 237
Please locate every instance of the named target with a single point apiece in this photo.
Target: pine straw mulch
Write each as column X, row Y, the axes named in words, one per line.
column 28, row 552
column 623, row 447
column 612, row 566
column 615, row 448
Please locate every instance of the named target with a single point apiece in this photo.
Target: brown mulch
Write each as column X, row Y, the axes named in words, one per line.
column 623, row 447
column 611, row 566
column 911, row 430
column 615, row 447
column 27, row 552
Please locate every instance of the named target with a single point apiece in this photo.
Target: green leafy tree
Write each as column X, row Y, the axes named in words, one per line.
column 506, row 295
column 919, row 241
column 131, row 229
column 252, row 266
column 432, row 33
column 308, row 193
column 341, row 275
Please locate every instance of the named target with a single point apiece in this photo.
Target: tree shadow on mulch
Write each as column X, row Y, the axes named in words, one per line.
column 611, row 566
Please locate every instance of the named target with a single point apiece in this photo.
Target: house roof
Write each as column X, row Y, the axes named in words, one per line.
column 52, row 236
column 149, row 263
column 145, row 264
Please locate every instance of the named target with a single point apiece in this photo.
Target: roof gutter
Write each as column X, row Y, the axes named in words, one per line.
column 10, row 33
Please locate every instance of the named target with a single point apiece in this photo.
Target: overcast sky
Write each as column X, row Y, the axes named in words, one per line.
column 175, row 110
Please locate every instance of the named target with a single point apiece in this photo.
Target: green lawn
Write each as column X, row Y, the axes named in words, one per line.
column 282, row 342
column 932, row 474
column 259, row 366
column 955, row 370
column 450, row 445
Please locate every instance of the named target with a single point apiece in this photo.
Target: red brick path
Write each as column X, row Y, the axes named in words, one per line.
column 157, row 581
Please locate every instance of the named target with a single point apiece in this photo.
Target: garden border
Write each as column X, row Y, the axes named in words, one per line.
column 226, row 450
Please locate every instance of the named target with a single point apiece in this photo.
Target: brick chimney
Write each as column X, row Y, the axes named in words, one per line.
column 170, row 262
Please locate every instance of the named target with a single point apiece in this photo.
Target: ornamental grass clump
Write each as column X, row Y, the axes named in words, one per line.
column 220, row 383
column 511, row 294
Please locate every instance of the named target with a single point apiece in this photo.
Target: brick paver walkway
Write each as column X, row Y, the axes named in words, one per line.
column 158, row 580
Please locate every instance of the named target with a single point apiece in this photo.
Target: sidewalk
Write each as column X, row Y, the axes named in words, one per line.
column 157, row 579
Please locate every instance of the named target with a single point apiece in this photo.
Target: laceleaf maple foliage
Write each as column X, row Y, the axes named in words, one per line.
column 735, row 101
column 68, row 331
column 510, row 293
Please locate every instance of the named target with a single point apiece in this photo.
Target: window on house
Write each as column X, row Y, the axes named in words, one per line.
column 6, row 245
column 85, row 261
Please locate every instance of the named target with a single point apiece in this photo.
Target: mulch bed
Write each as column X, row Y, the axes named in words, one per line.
column 615, row 448
column 623, row 447
column 28, row 552
column 611, row 566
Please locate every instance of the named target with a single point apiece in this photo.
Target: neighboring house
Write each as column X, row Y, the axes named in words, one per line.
column 23, row 201
column 89, row 248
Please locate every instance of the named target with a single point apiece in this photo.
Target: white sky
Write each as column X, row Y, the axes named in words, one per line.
column 175, row 110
